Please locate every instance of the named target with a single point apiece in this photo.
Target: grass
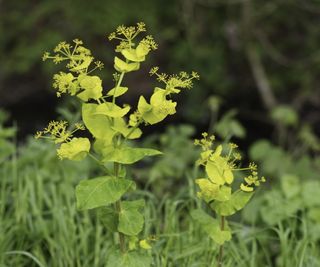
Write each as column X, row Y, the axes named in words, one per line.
column 40, row 226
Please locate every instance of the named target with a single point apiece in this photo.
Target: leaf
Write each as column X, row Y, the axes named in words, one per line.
column 85, row 64
column 214, row 173
column 285, row 114
column 128, row 259
column 260, row 149
column 236, row 202
column 158, row 109
column 98, row 125
column 117, row 91
column 122, row 66
column 92, row 86
column 101, row 191
column 121, row 127
column 290, row 185
column 142, row 50
column 109, row 218
column 310, row 189
column 77, row 149
column 218, row 168
column 211, row 191
column 111, row 110
column 132, row 55
column 211, row 226
column 130, row 219
column 127, row 131
column 127, row 155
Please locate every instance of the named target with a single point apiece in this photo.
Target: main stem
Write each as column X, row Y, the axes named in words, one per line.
column 117, row 206
column 220, row 256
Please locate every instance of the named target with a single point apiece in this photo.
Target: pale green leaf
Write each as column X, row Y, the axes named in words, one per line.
column 132, row 55
column 236, row 202
column 211, row 226
column 142, row 50
column 77, row 149
column 109, row 218
column 215, row 173
column 117, row 91
column 101, row 191
column 85, row 64
column 127, row 155
column 127, row 132
column 290, row 185
column 128, row 259
column 122, row 66
column 98, row 125
column 92, row 86
column 130, row 218
column 111, row 110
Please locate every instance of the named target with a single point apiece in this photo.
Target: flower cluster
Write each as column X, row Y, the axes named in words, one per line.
column 173, row 83
column 78, row 80
column 71, row 147
column 220, row 167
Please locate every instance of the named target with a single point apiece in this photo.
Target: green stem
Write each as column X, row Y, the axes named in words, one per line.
column 117, row 86
column 99, row 162
column 117, row 206
column 220, row 256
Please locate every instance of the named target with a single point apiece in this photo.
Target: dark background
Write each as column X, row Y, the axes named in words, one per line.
column 253, row 54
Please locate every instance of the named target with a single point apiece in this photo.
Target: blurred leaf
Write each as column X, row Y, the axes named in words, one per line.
column 290, row 185
column 285, row 115
column 211, row 226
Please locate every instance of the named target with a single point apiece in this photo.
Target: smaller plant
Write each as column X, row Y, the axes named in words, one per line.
column 221, row 165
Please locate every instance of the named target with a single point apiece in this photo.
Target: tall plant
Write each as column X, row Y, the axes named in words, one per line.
column 112, row 127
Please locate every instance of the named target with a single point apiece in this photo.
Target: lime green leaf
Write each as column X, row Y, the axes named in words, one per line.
column 127, row 155
column 142, row 50
column 92, row 86
column 128, row 259
column 117, row 91
column 224, row 193
column 236, row 202
column 127, row 132
column 211, row 226
column 98, row 125
column 144, row 244
column 143, row 106
column 130, row 219
column 111, row 110
column 208, row 189
column 85, row 64
column 122, row 66
column 109, row 218
column 218, row 168
column 215, row 173
column 100, row 191
column 158, row 109
column 77, row 149
column 131, row 55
